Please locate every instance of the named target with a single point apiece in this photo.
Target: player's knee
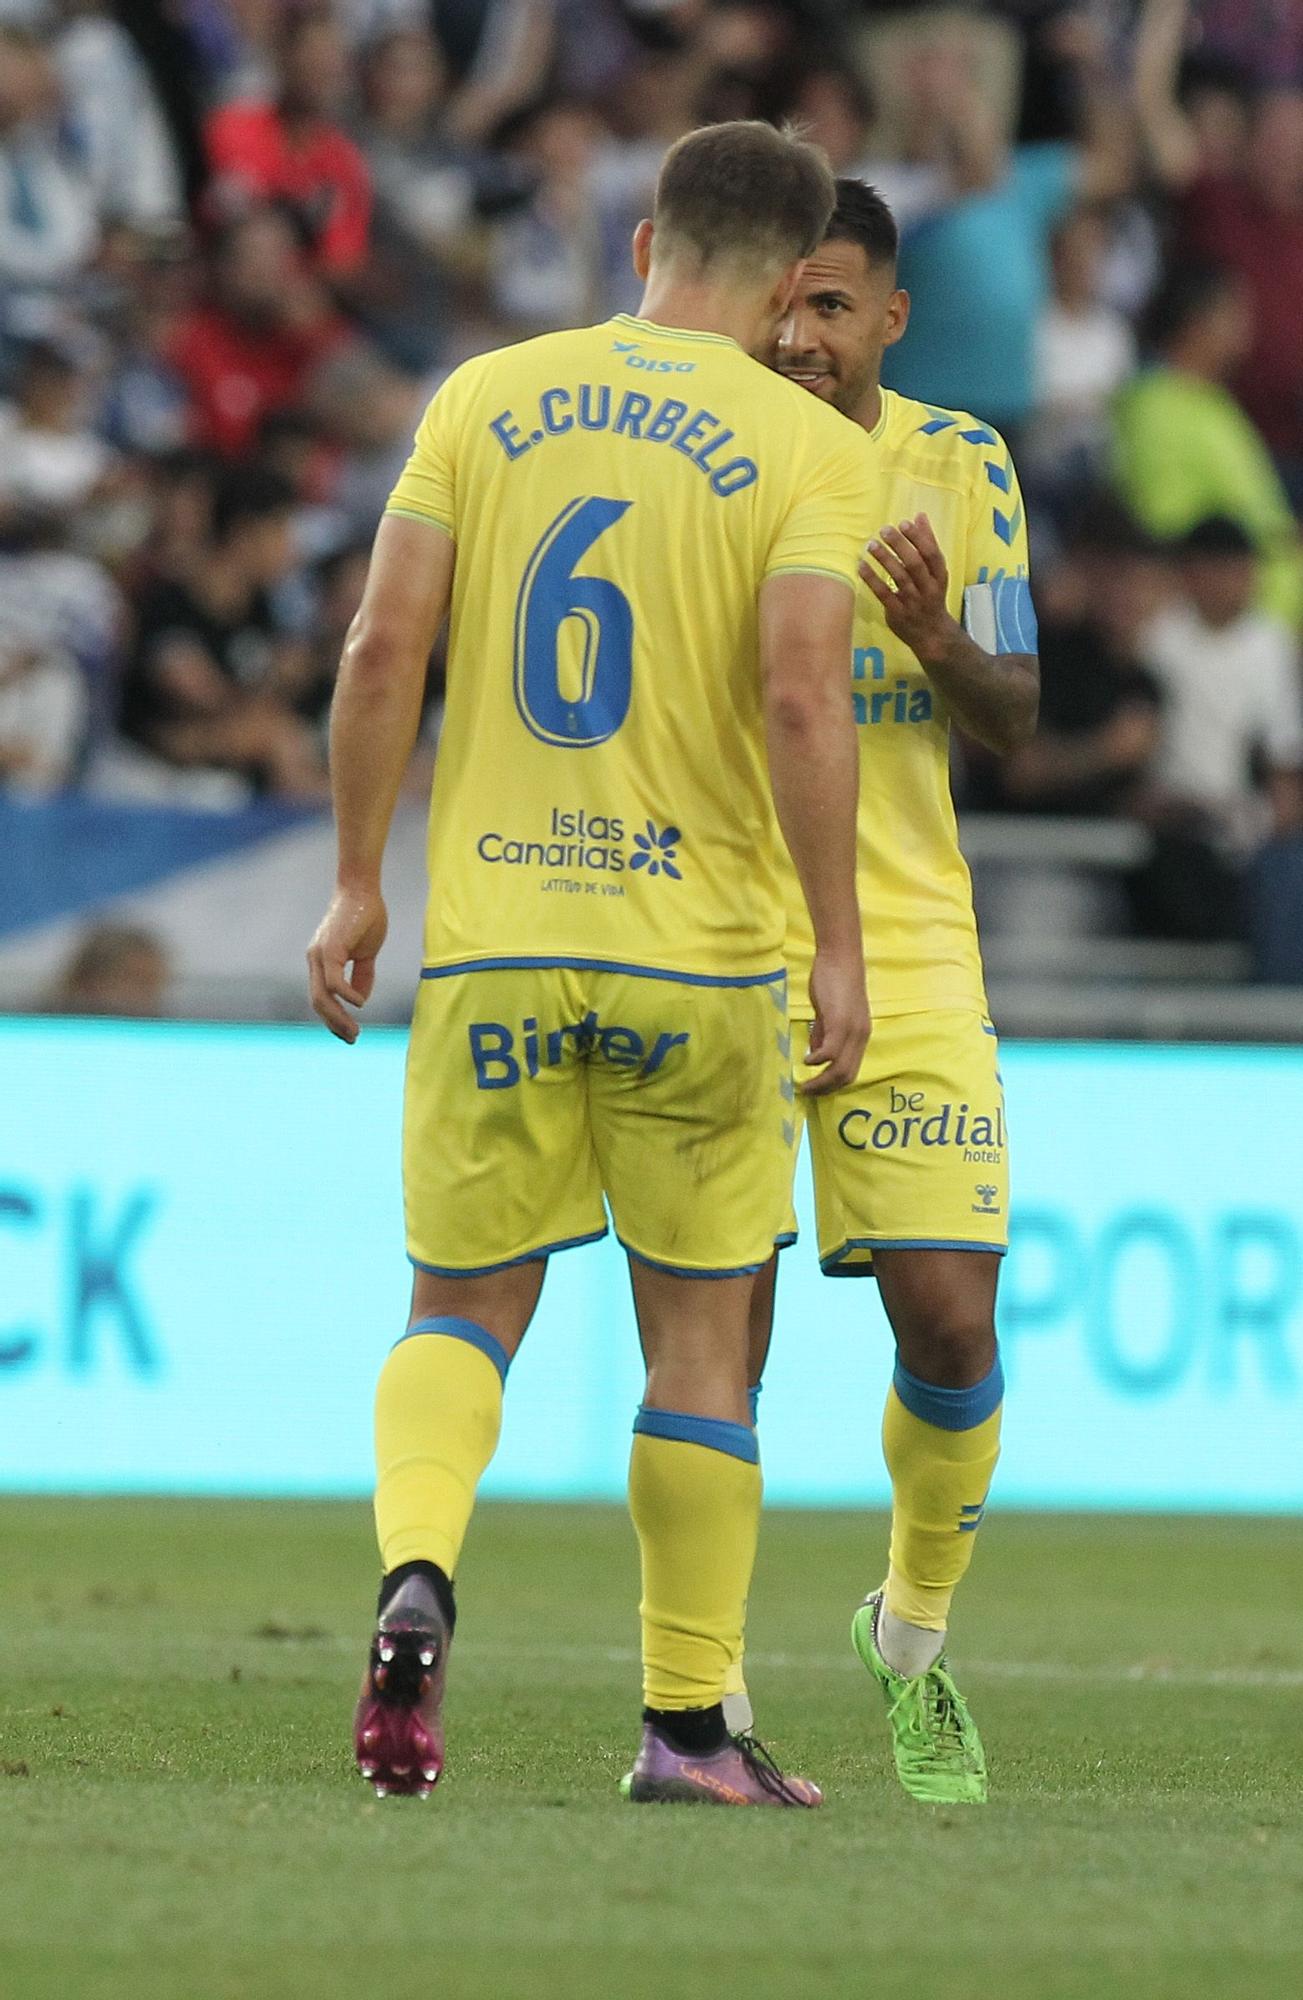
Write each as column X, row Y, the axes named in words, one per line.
column 952, row 1351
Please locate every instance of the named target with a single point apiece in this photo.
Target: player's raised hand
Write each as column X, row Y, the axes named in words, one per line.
column 906, row 571
column 841, row 1024
column 349, row 935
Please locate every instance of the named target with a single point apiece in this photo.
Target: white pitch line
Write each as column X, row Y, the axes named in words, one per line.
column 1139, row 1674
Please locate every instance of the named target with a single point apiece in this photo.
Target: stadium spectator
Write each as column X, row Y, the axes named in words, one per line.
column 215, row 675
column 144, row 406
column 1265, row 41
column 1230, row 749
column 1195, row 106
column 898, row 44
column 1244, row 211
column 233, row 47
column 1099, row 715
column 183, row 491
column 252, row 346
column 502, row 54
column 1184, row 447
column 365, row 413
column 425, row 182
column 129, row 152
column 49, row 219
column 51, row 460
column 563, row 260
column 292, row 151
column 43, row 709
column 114, row 969
column 978, row 269
column 1254, row 224
column 341, row 579
column 1085, row 349
column 431, row 189
column 59, row 604
column 835, row 106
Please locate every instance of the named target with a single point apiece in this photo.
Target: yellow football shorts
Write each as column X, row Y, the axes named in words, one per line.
column 534, row 1090
column 913, row 1155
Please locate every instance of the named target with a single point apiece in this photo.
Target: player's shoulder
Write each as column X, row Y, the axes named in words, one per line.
column 954, row 445
column 932, row 446
column 810, row 425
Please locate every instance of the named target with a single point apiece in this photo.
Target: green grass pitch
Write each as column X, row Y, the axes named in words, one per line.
column 180, row 1822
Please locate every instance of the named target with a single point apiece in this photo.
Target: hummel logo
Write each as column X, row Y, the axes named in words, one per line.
column 988, row 1193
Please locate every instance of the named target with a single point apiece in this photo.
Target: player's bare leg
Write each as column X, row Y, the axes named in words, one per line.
column 941, row 1305
column 694, row 1491
column 437, row 1411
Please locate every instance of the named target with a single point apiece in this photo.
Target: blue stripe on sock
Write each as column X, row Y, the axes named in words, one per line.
column 753, row 1398
column 468, row 1330
column 950, row 1409
column 733, row 1439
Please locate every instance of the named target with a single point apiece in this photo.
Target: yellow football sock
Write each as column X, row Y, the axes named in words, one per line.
column 941, row 1446
column 438, row 1414
column 735, row 1680
column 694, row 1493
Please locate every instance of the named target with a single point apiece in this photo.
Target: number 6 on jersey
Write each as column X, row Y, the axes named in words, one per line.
column 596, row 701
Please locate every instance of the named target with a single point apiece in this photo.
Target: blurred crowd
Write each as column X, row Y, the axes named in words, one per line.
column 241, row 241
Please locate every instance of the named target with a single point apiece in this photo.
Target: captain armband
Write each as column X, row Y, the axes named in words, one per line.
column 999, row 615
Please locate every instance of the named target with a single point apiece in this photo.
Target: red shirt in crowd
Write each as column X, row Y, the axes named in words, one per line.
column 1225, row 221
column 322, row 176
column 236, row 375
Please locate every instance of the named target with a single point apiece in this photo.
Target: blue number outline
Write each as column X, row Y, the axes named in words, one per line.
column 611, row 602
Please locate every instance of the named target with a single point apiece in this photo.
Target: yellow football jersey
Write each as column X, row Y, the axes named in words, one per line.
column 920, row 935
column 617, row 496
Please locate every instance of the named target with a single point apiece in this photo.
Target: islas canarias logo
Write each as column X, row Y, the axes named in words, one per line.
column 581, row 842
column 657, row 851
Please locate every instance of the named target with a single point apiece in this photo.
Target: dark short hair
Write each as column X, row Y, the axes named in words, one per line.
column 862, row 216
column 295, row 21
column 1204, row 70
column 744, row 192
column 104, row 947
column 1217, row 535
column 47, row 356
column 1188, row 291
column 1102, row 526
column 253, row 493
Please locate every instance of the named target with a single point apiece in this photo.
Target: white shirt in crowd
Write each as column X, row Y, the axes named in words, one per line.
column 1228, row 692
column 1080, row 359
column 57, row 469
column 124, row 140
column 42, row 721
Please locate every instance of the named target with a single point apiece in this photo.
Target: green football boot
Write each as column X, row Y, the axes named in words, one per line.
column 939, row 1754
